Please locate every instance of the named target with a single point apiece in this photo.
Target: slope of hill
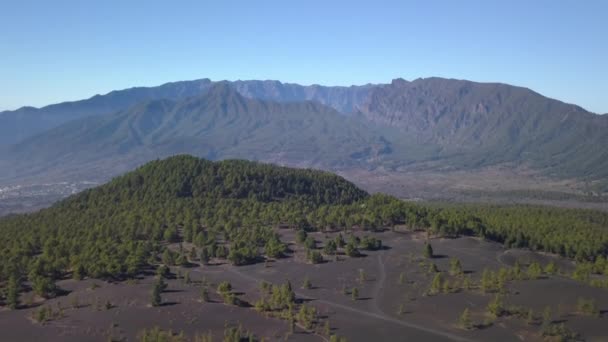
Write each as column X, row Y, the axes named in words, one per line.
column 116, row 230
column 27, row 121
column 111, row 230
column 218, row 124
column 480, row 124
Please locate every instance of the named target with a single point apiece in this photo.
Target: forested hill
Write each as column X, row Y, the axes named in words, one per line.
column 230, row 209
column 190, row 177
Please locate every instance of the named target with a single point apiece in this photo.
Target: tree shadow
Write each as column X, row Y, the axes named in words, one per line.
column 172, row 291
column 168, row 303
column 439, row 256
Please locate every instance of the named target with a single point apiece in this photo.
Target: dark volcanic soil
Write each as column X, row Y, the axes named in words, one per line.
column 393, row 303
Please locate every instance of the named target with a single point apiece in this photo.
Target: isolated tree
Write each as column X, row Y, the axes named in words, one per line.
column 401, row 310
column 306, row 284
column 224, row 287
column 455, row 267
column 530, row 319
column 156, row 299
column 547, row 317
column 355, row 293
column 436, row 284
column 327, row 329
column 465, row 320
column 467, row 283
column 362, row 275
column 204, row 294
column 428, row 250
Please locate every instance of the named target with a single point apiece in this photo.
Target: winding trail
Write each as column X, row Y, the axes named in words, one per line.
column 377, row 314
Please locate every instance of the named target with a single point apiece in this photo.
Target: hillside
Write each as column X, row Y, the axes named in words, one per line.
column 112, row 230
column 219, row 124
column 26, row 122
column 480, row 124
column 169, row 233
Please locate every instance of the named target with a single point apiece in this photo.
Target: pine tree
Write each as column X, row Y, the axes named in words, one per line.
column 306, row 284
column 530, row 317
column 436, row 284
column 455, row 267
column 204, row 294
column 12, row 293
column 465, row 320
column 327, row 329
column 156, row 299
column 355, row 293
column 428, row 250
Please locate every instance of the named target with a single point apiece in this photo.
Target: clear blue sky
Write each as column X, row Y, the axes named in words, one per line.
column 53, row 51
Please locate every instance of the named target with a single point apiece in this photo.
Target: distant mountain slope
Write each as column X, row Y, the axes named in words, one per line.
column 478, row 124
column 438, row 124
column 219, row 124
column 27, row 121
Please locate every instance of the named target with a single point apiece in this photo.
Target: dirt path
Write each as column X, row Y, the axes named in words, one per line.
column 377, row 290
column 377, row 315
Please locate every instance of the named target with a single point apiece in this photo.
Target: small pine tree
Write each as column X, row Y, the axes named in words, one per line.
column 496, row 306
column 547, row 316
column 327, row 329
column 204, row 294
column 12, row 293
column 465, row 320
column 355, row 293
column 455, row 267
column 446, row 286
column 362, row 275
column 436, row 284
column 530, row 317
column 467, row 284
column 156, row 299
column 428, row 250
column 306, row 284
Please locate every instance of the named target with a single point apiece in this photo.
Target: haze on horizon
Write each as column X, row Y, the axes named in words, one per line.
column 68, row 50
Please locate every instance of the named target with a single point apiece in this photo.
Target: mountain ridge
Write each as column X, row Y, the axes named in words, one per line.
column 26, row 121
column 219, row 123
column 425, row 124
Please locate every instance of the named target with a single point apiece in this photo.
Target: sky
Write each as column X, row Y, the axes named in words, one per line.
column 54, row 51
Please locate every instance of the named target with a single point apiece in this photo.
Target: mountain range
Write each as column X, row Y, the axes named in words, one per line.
column 427, row 124
column 27, row 121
